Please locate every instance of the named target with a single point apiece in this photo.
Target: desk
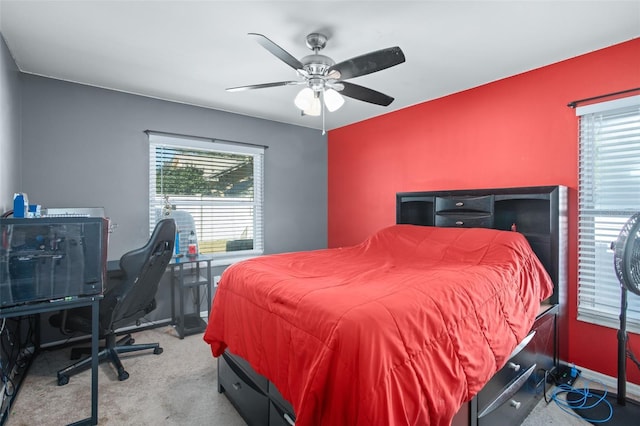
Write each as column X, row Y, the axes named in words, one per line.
column 189, row 278
column 42, row 307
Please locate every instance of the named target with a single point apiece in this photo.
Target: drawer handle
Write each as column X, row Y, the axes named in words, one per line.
column 522, row 344
column 459, row 222
column 289, row 420
column 508, row 391
column 515, row 404
column 237, row 386
column 459, row 204
column 513, row 366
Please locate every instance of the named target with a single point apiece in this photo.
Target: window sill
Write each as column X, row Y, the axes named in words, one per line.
column 231, row 259
column 632, row 325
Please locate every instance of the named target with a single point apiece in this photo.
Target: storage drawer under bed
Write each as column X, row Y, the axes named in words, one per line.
column 514, row 390
column 245, row 389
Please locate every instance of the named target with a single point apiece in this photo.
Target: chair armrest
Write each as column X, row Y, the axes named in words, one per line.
column 117, row 274
column 113, row 270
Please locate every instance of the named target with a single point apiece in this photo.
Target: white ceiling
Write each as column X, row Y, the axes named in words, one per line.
column 190, row 51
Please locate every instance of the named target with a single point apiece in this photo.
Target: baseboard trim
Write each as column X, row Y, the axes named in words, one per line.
column 129, row 329
column 633, row 390
column 124, row 330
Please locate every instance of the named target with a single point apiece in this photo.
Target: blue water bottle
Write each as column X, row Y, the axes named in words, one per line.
column 20, row 205
column 177, row 244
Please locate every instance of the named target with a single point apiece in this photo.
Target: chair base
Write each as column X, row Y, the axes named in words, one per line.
column 110, row 352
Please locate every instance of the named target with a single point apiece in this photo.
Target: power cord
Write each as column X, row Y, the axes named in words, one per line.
column 582, row 402
column 547, row 373
column 10, row 350
column 582, row 399
column 9, row 357
column 9, row 386
column 631, row 355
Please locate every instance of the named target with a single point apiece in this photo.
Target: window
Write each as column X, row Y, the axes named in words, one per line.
column 217, row 185
column 608, row 194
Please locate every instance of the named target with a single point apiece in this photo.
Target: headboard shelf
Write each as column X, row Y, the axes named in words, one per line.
column 538, row 212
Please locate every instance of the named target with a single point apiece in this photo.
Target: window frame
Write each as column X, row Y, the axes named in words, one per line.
column 156, row 201
column 600, row 218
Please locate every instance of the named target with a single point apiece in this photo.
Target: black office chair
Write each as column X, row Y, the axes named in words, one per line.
column 129, row 295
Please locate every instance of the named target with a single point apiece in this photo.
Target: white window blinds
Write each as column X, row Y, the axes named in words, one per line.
column 608, row 194
column 214, row 188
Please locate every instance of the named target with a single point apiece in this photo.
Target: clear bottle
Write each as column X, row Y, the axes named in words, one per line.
column 192, row 250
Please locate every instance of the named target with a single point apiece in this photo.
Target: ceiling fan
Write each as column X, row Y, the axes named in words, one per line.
column 324, row 79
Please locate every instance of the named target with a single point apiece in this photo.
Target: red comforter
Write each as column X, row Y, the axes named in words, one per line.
column 398, row 330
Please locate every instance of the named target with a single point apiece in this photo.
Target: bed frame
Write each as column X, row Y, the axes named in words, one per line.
column 540, row 214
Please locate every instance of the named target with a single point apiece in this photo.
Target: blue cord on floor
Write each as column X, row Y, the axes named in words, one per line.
column 581, row 403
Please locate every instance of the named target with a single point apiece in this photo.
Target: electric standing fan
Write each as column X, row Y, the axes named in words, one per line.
column 626, row 261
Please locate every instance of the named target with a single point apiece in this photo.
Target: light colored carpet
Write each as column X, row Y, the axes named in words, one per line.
column 178, row 387
column 552, row 415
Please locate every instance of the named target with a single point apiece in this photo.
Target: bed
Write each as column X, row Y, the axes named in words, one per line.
column 402, row 329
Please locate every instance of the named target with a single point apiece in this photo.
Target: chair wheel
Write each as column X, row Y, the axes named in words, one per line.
column 62, row 379
column 158, row 350
column 123, row 375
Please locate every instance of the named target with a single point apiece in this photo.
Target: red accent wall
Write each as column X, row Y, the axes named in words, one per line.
column 513, row 132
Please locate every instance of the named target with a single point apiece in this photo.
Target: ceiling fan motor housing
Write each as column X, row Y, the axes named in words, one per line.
column 317, row 64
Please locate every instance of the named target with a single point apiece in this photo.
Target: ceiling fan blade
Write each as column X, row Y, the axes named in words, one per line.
column 364, row 94
column 278, row 51
column 264, row 85
column 369, row 62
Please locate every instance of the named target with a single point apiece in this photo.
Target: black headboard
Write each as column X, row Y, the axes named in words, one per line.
column 538, row 212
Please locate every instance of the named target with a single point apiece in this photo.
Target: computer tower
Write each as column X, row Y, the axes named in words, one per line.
column 43, row 259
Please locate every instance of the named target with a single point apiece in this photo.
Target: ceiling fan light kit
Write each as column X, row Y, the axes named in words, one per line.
column 308, row 101
column 332, row 99
column 324, row 79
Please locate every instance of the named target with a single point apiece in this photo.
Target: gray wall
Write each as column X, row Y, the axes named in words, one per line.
column 86, row 147
column 9, row 128
column 9, row 156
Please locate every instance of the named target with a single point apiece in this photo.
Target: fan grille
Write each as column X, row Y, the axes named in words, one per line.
column 627, row 255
